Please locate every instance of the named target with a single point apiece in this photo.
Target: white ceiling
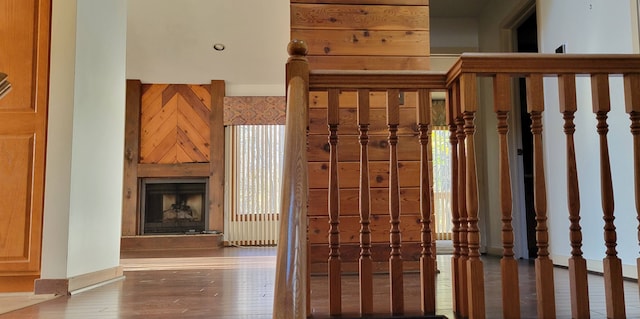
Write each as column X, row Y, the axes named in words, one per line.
column 171, row 41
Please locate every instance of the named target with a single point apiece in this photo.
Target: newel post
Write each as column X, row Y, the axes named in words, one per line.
column 291, row 295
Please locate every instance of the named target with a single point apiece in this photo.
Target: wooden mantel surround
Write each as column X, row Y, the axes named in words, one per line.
column 177, row 131
column 174, row 131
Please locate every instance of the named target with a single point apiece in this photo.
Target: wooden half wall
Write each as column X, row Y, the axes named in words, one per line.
column 363, row 35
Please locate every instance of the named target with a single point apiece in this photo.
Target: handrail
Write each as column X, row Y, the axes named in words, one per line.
column 324, row 79
column 290, row 297
column 539, row 63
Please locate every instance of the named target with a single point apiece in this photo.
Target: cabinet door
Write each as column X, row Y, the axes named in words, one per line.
column 24, row 56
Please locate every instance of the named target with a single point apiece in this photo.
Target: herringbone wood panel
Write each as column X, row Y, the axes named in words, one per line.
column 174, row 123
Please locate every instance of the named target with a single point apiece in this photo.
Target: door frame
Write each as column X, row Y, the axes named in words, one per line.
column 508, row 43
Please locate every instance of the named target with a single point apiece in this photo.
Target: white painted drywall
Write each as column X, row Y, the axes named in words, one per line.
column 59, row 132
column 447, row 35
column 98, row 136
column 171, row 42
column 491, row 25
column 83, row 194
column 589, row 27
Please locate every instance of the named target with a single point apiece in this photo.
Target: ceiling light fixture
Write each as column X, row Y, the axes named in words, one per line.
column 218, row 46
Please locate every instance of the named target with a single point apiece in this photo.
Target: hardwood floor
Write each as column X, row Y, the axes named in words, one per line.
column 238, row 283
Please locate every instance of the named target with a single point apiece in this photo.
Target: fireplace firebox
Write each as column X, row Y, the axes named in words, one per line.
column 173, row 206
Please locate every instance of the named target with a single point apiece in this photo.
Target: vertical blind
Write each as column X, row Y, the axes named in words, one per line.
column 254, row 171
column 441, row 152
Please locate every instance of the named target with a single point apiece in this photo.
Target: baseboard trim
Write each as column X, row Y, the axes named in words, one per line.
column 83, row 282
column 100, row 284
column 628, row 271
column 96, row 277
column 51, row 286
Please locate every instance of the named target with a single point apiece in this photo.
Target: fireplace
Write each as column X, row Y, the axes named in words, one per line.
column 173, row 206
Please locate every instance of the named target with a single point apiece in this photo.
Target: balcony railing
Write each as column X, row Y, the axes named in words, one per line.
column 461, row 87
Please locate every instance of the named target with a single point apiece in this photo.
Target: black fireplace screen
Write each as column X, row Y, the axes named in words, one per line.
column 173, row 206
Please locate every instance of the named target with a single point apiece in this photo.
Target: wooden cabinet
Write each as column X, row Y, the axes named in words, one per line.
column 24, row 56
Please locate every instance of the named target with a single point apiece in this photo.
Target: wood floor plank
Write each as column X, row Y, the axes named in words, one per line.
column 238, row 283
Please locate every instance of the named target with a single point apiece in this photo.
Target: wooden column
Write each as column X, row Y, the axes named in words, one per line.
column 427, row 256
column 365, row 261
column 543, row 264
column 452, row 104
column 508, row 264
column 335, row 290
column 216, row 156
column 577, row 264
column 395, row 259
column 130, row 208
column 613, row 284
column 632, row 106
column 475, row 273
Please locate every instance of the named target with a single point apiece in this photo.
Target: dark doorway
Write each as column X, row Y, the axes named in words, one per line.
column 527, row 41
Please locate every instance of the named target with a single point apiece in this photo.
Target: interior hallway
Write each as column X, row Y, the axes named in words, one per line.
column 238, row 283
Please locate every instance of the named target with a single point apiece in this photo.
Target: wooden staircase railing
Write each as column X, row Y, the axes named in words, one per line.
column 461, row 87
column 534, row 67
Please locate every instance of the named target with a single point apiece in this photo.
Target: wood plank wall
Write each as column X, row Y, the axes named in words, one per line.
column 363, row 35
column 349, row 170
column 174, row 123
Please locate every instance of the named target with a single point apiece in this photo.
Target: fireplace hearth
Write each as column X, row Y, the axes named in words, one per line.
column 173, row 206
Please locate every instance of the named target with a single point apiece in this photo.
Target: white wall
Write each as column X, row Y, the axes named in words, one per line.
column 59, row 133
column 255, row 32
column 450, row 35
column 589, row 27
column 83, row 201
column 492, row 23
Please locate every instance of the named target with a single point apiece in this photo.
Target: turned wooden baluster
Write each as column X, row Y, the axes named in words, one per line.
column 455, row 215
column 462, row 210
column 395, row 259
column 508, row 264
column 365, row 263
column 427, row 259
column 613, row 285
column 335, row 289
column 632, row 106
column 577, row 264
column 475, row 272
column 543, row 264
